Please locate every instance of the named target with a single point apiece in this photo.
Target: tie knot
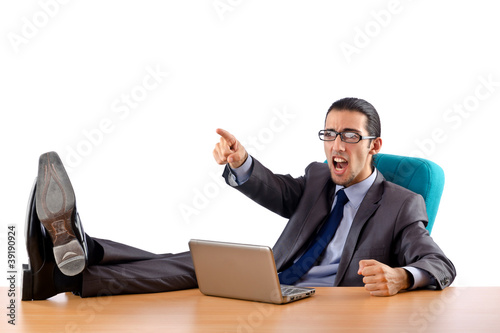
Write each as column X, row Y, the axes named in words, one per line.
column 341, row 198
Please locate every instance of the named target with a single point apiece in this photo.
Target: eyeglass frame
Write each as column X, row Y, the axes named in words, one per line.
column 361, row 137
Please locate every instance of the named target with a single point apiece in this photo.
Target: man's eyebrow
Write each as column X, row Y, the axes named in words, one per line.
column 344, row 130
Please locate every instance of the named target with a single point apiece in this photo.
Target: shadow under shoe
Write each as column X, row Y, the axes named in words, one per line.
column 56, row 209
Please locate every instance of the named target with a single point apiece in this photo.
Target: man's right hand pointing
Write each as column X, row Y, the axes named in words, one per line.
column 229, row 150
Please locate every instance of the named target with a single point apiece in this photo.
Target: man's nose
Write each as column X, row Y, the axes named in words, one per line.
column 338, row 144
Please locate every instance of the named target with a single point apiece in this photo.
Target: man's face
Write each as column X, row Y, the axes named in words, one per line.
column 349, row 163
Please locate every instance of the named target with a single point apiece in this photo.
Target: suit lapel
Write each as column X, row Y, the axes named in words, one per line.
column 368, row 206
column 299, row 229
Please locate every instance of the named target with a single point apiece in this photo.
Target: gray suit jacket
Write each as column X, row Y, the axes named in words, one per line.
column 388, row 227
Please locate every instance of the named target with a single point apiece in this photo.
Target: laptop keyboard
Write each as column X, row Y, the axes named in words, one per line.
column 287, row 291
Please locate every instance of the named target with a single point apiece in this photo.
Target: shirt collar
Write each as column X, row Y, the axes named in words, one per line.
column 356, row 193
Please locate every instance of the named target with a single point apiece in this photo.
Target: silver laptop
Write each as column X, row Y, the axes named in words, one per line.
column 241, row 271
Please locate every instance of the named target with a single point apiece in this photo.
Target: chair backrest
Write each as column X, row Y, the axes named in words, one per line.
column 416, row 174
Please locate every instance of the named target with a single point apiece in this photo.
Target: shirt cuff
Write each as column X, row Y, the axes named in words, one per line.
column 243, row 172
column 421, row 278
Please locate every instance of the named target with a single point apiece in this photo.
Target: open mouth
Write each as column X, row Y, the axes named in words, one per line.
column 339, row 164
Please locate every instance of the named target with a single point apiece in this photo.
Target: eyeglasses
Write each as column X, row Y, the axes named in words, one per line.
column 349, row 137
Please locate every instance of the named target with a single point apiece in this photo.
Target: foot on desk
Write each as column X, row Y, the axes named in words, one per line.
column 56, row 209
column 41, row 277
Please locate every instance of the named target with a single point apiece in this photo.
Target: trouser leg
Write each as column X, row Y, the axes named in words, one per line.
column 128, row 270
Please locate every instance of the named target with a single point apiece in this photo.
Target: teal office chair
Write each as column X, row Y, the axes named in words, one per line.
column 416, row 174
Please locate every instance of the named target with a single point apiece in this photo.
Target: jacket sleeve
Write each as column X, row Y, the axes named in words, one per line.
column 414, row 247
column 278, row 193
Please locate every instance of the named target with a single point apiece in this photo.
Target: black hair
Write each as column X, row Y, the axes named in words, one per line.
column 373, row 125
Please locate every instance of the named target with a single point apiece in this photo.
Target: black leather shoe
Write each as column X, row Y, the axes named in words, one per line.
column 38, row 276
column 56, row 209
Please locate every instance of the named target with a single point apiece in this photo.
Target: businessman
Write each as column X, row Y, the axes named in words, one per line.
column 347, row 225
column 380, row 243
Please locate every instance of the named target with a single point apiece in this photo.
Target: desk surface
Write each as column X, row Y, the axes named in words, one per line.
column 474, row 309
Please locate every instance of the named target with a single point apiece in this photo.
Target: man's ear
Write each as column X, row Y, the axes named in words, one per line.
column 375, row 146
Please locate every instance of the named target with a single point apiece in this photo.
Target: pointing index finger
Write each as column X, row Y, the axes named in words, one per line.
column 230, row 139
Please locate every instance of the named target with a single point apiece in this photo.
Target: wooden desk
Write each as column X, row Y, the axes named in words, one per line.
column 331, row 309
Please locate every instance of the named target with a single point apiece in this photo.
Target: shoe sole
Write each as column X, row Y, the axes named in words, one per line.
column 55, row 206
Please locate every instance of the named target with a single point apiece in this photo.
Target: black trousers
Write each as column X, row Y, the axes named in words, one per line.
column 128, row 270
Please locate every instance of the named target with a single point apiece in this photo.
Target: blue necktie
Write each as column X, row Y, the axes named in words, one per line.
column 325, row 235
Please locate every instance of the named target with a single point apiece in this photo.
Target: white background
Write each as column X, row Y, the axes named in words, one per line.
column 265, row 70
